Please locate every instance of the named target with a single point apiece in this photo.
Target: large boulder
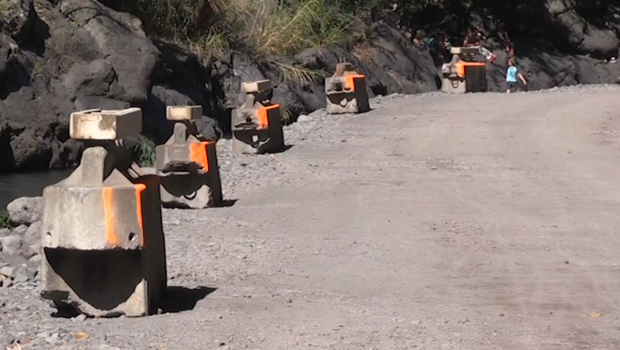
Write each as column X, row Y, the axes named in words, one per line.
column 60, row 56
column 25, row 210
column 570, row 30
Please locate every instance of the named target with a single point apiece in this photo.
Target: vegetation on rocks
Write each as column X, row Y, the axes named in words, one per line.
column 260, row 28
column 5, row 219
column 146, row 153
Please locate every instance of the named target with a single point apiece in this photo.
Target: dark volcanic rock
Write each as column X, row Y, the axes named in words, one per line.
column 58, row 56
column 78, row 54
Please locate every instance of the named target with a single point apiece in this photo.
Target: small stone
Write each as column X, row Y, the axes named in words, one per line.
column 33, row 233
column 30, row 251
column 24, row 270
column 6, row 282
column 4, row 232
column 7, row 271
column 20, row 278
column 6, row 339
column 12, row 245
column 34, row 262
column 35, row 342
column 82, row 336
column 25, row 210
column 304, row 118
column 80, row 318
column 20, row 230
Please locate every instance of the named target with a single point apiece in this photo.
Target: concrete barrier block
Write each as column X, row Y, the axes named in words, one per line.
column 465, row 50
column 347, row 94
column 256, row 86
column 99, row 124
column 263, row 133
column 101, row 230
column 178, row 113
column 189, row 171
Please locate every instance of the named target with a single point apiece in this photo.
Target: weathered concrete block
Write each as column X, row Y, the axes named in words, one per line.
column 96, row 124
column 190, row 176
column 347, row 94
column 178, row 113
column 187, row 165
column 257, row 123
column 256, row 86
column 101, row 235
column 461, row 77
column 472, row 50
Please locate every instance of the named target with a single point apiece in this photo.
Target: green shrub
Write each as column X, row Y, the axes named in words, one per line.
column 146, row 154
column 262, row 29
column 273, row 27
column 4, row 6
column 5, row 219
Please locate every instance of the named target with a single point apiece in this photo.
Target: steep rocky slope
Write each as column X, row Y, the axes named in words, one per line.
column 57, row 56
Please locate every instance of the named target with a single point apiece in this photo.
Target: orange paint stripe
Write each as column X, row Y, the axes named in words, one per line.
column 349, row 80
column 460, row 67
column 263, row 115
column 139, row 189
column 108, row 210
column 198, row 154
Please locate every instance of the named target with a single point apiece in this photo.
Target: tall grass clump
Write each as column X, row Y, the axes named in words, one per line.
column 276, row 27
column 260, row 28
column 143, row 153
column 5, row 219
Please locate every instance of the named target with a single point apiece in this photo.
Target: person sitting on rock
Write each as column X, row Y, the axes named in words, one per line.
column 510, row 46
column 472, row 38
column 511, row 77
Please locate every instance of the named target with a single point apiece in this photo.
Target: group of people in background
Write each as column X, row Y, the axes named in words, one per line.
column 439, row 48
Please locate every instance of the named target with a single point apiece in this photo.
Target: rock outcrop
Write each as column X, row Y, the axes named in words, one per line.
column 58, row 56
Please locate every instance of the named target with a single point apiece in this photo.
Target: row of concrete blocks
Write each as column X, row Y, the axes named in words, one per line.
column 102, row 235
column 102, row 232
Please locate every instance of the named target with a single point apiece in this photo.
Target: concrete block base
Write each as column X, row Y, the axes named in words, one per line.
column 190, row 191
column 453, row 85
column 267, row 138
column 190, row 176
column 103, row 245
column 347, row 94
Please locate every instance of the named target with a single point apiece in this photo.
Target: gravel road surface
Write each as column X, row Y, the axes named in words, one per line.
column 472, row 222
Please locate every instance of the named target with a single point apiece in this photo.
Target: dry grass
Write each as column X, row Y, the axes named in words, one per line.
column 4, row 6
column 276, row 27
column 262, row 29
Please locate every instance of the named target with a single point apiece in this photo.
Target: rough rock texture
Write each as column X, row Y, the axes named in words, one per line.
column 25, row 210
column 57, row 56
column 71, row 55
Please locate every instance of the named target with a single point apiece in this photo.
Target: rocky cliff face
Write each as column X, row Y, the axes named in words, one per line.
column 58, row 56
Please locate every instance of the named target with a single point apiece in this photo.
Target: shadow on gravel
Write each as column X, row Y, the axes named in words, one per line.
column 284, row 149
column 179, row 299
column 227, row 203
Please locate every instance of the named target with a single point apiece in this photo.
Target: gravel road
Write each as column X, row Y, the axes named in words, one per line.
column 480, row 221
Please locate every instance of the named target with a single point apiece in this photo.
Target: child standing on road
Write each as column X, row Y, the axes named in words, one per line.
column 511, row 77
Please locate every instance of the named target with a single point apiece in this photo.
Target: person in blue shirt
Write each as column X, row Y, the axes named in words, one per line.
column 512, row 76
